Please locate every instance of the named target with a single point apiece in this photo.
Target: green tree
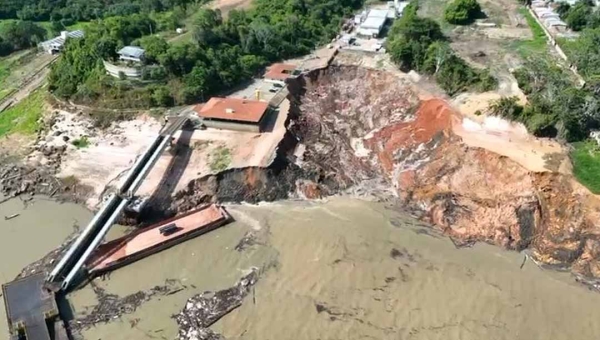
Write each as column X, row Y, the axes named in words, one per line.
column 205, row 23
column 563, row 9
column 154, row 47
column 507, row 107
column 161, row 96
column 251, row 64
column 585, row 53
column 462, row 12
column 409, row 39
column 438, row 54
column 22, row 34
column 578, row 16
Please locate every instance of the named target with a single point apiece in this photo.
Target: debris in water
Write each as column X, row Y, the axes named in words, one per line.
column 112, row 306
column 10, row 217
column 247, row 241
column 204, row 309
column 523, row 263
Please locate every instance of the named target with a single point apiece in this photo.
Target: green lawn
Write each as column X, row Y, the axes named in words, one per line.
column 4, row 71
column 586, row 164
column 539, row 43
column 220, row 159
column 23, row 117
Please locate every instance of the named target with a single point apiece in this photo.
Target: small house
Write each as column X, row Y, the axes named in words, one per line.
column 131, row 54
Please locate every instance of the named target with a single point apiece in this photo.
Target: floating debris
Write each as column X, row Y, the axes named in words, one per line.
column 204, row 309
column 10, row 217
column 112, row 306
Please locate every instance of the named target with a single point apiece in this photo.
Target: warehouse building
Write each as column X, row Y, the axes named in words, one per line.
column 233, row 114
column 375, row 21
column 55, row 45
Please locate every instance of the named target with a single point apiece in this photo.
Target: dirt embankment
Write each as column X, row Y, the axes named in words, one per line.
column 359, row 128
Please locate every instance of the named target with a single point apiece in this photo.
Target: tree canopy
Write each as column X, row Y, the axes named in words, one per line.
column 18, row 35
column 223, row 53
column 416, row 43
column 462, row 12
column 80, row 10
column 555, row 107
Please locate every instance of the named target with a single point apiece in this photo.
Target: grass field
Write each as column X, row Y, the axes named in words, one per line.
column 586, row 164
column 23, row 117
column 539, row 43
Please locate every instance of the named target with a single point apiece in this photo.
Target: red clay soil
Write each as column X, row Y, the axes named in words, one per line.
column 432, row 117
column 477, row 195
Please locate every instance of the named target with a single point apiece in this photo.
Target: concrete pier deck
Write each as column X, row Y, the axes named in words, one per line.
column 28, row 307
column 150, row 240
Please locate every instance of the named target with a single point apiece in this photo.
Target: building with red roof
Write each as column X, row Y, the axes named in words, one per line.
column 233, row 114
column 280, row 72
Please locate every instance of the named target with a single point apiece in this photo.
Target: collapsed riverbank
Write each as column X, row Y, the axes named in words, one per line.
column 366, row 133
column 369, row 133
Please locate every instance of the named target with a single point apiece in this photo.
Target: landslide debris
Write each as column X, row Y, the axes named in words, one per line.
column 360, row 125
column 364, row 132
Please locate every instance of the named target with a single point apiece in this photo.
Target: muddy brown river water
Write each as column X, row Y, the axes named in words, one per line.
column 341, row 269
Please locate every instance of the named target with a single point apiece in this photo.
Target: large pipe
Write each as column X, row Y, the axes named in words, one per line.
column 133, row 180
column 99, row 237
column 131, row 175
column 140, row 176
column 99, row 217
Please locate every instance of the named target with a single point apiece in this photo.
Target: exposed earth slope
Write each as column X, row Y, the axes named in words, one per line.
column 359, row 126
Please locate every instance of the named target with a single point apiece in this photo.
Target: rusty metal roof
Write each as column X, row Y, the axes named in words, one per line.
column 234, row 109
column 280, row 71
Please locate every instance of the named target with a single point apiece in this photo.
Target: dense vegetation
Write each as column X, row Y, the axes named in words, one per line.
column 18, row 35
column 555, row 107
column 579, row 16
column 584, row 51
column 223, row 53
column 417, row 43
column 462, row 12
column 81, row 10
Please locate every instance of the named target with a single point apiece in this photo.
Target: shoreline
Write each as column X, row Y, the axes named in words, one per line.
column 366, row 165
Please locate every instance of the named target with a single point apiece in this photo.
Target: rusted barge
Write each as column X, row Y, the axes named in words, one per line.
column 155, row 238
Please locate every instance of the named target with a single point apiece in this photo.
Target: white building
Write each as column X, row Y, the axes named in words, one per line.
column 131, row 54
column 375, row 21
column 400, row 6
column 55, row 45
column 553, row 22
